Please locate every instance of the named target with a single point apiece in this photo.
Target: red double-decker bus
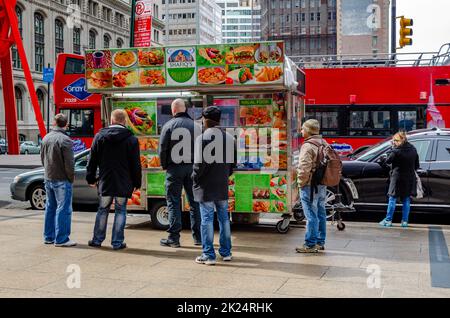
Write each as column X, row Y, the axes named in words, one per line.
column 82, row 108
column 360, row 106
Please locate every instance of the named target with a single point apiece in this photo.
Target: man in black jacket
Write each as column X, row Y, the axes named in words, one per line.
column 176, row 152
column 215, row 159
column 116, row 152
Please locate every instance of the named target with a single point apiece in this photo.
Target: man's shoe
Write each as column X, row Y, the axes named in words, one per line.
column 69, row 243
column 205, row 260
column 386, row 223
column 92, row 244
column 47, row 242
column 120, row 247
column 169, row 242
column 404, row 223
column 306, row 249
column 320, row 247
column 227, row 258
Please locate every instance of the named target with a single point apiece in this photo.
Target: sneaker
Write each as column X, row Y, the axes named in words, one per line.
column 404, row 223
column 320, row 247
column 69, row 243
column 306, row 249
column 169, row 243
column 48, row 242
column 385, row 223
column 227, row 258
column 205, row 260
column 92, row 244
column 120, row 247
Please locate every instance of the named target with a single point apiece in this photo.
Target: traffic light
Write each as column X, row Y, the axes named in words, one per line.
column 405, row 32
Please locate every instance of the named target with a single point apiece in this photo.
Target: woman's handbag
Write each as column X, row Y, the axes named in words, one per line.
column 419, row 188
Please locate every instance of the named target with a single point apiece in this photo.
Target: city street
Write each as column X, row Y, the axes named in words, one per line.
column 362, row 261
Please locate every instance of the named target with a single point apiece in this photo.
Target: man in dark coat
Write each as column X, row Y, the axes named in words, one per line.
column 115, row 151
column 212, row 170
column 176, row 152
column 403, row 183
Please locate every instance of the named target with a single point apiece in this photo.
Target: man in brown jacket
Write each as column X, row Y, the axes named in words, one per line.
column 314, row 208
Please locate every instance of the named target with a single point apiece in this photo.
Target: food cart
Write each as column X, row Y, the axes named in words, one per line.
column 260, row 92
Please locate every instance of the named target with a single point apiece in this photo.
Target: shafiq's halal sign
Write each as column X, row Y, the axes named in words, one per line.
column 181, row 66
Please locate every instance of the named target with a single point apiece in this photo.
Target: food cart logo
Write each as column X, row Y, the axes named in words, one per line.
column 181, row 59
column 78, row 89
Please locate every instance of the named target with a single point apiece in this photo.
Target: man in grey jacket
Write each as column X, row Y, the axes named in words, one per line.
column 58, row 161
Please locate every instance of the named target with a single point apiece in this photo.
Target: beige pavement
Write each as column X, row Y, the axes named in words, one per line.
column 265, row 263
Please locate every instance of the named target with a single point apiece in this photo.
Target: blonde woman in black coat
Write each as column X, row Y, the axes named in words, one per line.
column 402, row 183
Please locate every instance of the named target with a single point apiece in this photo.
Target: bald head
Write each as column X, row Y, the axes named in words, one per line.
column 118, row 117
column 178, row 106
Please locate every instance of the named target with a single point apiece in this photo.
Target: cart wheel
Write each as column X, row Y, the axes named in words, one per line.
column 341, row 226
column 281, row 227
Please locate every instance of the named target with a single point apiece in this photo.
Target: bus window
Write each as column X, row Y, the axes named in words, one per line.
column 370, row 123
column 74, row 66
column 81, row 122
column 407, row 120
column 329, row 124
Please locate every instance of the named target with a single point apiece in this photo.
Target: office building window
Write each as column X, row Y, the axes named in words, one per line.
column 14, row 52
column 19, row 103
column 59, row 37
column 77, row 40
column 92, row 39
column 106, row 41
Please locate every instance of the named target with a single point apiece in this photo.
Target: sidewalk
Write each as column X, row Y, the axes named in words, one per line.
column 20, row 161
column 362, row 261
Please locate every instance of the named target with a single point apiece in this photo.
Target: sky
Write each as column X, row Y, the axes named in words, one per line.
column 431, row 23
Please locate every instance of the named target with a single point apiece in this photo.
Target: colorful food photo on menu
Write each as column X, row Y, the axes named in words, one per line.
column 122, row 79
column 211, row 75
column 278, row 207
column 150, row 160
column 98, row 79
column 269, row 52
column 152, row 77
column 269, row 74
column 210, row 55
column 135, row 199
column 278, row 193
column 148, row 144
column 240, row 74
column 254, row 115
column 261, row 206
column 141, row 116
column 98, row 60
column 240, row 54
column 124, row 58
column 151, row 57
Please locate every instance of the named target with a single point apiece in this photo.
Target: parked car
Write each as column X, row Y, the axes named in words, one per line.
column 3, row 146
column 29, row 186
column 370, row 174
column 29, row 147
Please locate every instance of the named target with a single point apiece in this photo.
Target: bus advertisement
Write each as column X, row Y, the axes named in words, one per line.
column 72, row 99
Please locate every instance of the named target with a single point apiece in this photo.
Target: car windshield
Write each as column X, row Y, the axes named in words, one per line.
column 371, row 152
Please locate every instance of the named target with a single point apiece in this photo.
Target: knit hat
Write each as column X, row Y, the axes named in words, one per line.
column 311, row 126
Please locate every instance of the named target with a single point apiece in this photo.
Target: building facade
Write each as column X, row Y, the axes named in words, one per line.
column 241, row 20
column 308, row 27
column 363, row 28
column 49, row 27
column 191, row 21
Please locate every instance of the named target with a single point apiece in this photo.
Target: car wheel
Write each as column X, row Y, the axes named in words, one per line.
column 38, row 197
column 26, row 152
column 160, row 216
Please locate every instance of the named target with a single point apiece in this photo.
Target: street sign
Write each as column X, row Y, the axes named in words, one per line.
column 142, row 30
column 48, row 74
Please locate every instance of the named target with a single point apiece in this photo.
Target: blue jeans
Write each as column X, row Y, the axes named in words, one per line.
column 58, row 211
column 207, row 214
column 316, row 215
column 177, row 178
column 405, row 208
column 120, row 220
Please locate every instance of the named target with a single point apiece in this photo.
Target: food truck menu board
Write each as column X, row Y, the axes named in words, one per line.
column 259, row 63
column 259, row 193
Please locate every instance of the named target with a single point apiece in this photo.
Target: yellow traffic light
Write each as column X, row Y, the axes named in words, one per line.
column 405, row 31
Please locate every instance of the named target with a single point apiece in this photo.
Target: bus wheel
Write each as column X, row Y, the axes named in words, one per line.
column 159, row 215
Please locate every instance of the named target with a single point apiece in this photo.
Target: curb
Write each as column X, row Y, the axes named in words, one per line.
column 20, row 166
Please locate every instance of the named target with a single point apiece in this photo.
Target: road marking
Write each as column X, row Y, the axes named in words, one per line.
column 439, row 258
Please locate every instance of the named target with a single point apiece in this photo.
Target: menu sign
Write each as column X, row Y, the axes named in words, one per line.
column 141, row 116
column 143, row 23
column 205, row 65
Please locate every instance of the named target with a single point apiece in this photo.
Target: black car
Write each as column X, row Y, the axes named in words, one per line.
column 370, row 175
